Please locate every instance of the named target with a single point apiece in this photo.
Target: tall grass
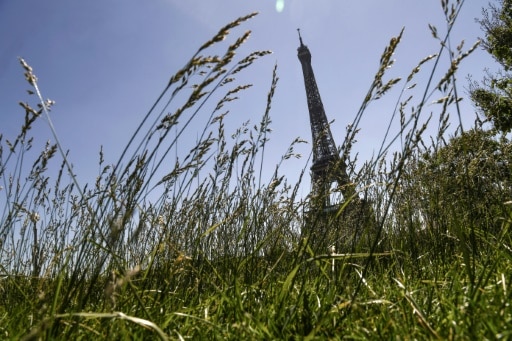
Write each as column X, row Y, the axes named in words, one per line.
column 211, row 250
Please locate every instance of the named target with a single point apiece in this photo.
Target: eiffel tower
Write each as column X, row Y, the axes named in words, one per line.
column 329, row 171
column 332, row 187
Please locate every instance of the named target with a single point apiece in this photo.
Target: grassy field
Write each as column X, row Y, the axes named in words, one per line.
column 219, row 254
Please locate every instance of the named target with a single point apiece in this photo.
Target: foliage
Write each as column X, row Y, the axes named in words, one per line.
column 494, row 95
column 210, row 250
column 456, row 195
column 473, row 177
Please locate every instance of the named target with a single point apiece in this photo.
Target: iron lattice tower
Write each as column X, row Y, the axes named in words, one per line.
column 328, row 171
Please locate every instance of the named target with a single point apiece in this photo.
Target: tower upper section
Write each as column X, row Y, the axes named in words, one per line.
column 328, row 170
column 324, row 148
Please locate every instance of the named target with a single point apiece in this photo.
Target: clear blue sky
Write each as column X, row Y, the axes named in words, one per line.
column 105, row 62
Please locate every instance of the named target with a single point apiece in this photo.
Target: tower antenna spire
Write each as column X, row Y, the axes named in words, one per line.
column 300, row 38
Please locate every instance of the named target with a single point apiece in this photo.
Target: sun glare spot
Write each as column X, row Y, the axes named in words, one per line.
column 279, row 6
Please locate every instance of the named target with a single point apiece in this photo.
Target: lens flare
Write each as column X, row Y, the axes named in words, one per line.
column 279, row 6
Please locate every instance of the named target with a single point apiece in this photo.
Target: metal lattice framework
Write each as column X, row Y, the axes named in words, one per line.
column 327, row 168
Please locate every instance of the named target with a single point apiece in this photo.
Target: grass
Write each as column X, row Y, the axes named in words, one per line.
column 207, row 250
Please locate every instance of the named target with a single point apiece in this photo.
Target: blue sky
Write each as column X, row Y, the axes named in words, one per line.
column 105, row 62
